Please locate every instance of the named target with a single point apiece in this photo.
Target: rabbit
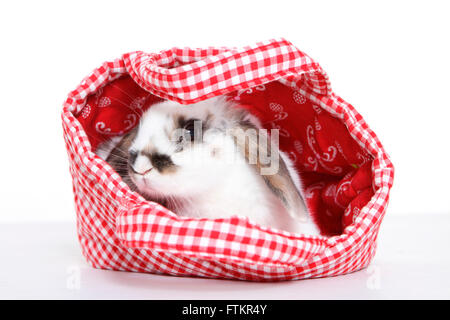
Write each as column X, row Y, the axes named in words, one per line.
column 204, row 160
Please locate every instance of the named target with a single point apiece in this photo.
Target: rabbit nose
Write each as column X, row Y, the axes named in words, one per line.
column 141, row 165
column 142, row 173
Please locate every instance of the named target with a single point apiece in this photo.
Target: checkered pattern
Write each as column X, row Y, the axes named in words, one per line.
column 119, row 230
column 212, row 72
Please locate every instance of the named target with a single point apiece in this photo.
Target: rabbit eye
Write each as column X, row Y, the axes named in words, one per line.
column 190, row 128
column 188, row 131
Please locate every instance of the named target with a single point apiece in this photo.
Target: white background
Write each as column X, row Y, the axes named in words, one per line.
column 390, row 59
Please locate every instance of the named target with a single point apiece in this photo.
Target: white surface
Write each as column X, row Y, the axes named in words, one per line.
column 44, row 261
column 390, row 59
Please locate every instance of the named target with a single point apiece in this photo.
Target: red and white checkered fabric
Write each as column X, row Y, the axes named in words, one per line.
column 119, row 230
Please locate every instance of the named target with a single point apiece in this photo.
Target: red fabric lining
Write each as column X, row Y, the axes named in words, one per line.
column 114, row 110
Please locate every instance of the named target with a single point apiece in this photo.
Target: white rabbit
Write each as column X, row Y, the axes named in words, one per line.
column 205, row 160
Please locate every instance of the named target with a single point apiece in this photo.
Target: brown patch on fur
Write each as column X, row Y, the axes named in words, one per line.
column 161, row 162
column 179, row 122
column 280, row 183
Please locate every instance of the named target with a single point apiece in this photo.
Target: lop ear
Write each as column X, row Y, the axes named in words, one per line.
column 261, row 151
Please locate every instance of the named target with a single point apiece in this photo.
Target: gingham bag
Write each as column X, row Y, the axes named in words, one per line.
column 119, row 230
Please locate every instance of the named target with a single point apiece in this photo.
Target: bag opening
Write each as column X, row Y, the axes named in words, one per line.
column 335, row 170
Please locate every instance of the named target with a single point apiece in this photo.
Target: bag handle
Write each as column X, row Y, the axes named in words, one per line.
column 190, row 75
column 236, row 240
